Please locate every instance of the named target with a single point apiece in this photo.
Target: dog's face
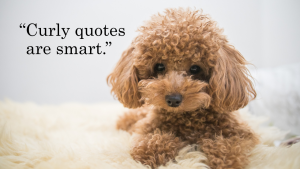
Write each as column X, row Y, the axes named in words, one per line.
column 181, row 62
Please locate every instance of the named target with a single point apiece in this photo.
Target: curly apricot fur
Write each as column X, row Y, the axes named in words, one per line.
column 179, row 39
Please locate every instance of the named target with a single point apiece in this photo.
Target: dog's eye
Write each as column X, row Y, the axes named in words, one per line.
column 195, row 69
column 159, row 67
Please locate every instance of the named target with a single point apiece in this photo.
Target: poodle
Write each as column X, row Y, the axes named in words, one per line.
column 184, row 82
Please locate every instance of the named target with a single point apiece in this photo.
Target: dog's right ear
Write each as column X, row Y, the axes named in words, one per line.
column 230, row 83
column 124, row 80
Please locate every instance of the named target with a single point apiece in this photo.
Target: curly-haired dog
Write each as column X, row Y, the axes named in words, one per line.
column 188, row 81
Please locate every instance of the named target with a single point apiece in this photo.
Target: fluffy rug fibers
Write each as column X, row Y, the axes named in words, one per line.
column 78, row 136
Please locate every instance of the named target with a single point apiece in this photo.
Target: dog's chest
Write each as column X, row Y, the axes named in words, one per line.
column 188, row 126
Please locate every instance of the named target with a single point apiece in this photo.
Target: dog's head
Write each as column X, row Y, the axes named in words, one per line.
column 180, row 61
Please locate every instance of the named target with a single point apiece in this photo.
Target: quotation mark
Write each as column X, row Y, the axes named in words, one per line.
column 108, row 43
column 22, row 26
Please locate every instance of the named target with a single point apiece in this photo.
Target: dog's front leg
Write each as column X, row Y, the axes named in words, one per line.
column 227, row 153
column 155, row 149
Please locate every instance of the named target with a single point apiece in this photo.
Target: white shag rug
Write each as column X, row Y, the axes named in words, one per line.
column 78, row 136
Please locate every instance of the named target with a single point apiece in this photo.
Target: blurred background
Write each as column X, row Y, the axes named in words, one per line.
column 266, row 32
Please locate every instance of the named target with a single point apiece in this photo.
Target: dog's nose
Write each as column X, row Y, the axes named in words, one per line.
column 173, row 100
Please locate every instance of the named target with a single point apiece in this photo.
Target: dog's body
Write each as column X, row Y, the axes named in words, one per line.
column 221, row 137
column 188, row 82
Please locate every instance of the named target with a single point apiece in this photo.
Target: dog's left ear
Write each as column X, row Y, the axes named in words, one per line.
column 124, row 80
column 230, row 85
